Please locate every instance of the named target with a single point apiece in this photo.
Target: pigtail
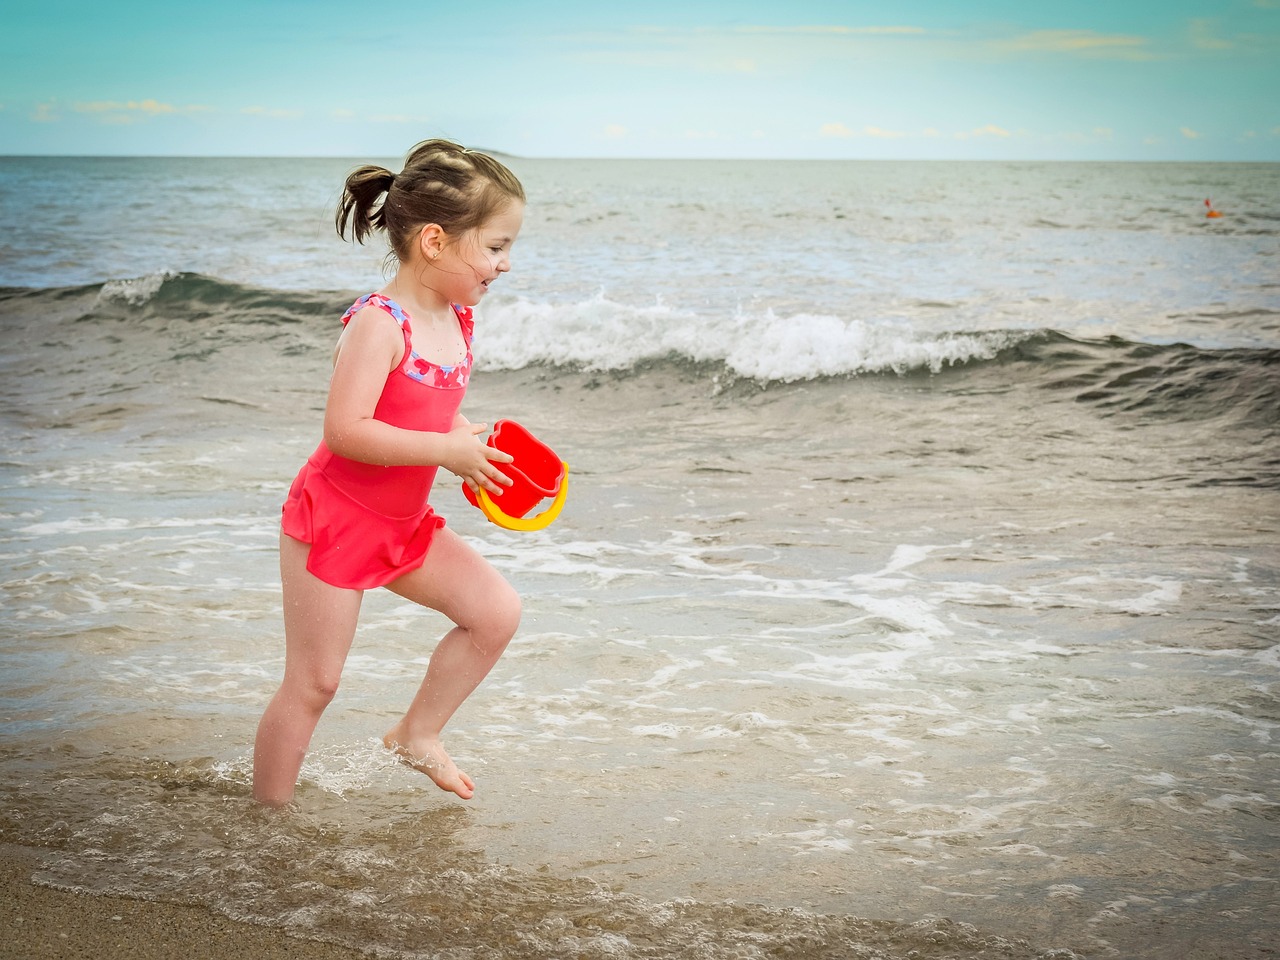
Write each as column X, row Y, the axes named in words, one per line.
column 442, row 183
column 360, row 211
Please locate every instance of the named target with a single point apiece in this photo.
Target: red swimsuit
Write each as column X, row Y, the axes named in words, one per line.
column 368, row 524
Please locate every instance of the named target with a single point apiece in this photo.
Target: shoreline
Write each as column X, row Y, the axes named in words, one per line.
column 41, row 923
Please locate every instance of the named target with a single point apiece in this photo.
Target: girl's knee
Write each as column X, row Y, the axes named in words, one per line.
column 501, row 617
column 313, row 692
column 510, row 612
column 324, row 689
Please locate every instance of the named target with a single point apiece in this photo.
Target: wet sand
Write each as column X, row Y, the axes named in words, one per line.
column 39, row 923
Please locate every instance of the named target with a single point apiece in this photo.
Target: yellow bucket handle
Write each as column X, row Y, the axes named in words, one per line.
column 543, row 519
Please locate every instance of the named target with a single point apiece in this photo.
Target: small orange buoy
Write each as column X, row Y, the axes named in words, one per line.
column 1211, row 212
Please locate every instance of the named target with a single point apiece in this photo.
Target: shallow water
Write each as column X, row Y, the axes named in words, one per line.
column 974, row 659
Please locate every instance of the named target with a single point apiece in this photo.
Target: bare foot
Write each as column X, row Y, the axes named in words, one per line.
column 429, row 757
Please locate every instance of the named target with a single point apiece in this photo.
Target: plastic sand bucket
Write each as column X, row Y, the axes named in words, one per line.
column 537, row 474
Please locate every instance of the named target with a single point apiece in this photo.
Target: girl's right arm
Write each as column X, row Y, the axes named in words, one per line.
column 369, row 349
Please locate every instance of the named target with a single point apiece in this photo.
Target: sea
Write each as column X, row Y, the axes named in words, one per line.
column 916, row 595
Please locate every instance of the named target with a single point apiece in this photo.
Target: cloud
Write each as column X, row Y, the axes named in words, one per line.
column 152, row 107
column 130, row 111
column 1080, row 43
column 736, row 49
column 46, row 112
column 990, row 130
column 1204, row 37
column 1189, row 133
column 614, row 131
column 835, row 130
column 883, row 134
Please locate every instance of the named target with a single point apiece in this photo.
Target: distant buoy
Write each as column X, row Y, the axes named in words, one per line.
column 1212, row 213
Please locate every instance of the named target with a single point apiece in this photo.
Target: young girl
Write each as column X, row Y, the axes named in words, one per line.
column 357, row 515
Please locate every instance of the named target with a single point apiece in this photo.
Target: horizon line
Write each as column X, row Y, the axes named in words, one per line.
column 599, row 158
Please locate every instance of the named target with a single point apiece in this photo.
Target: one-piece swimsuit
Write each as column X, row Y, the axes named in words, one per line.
column 369, row 524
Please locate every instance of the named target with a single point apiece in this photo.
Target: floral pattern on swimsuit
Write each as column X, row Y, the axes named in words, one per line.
column 415, row 366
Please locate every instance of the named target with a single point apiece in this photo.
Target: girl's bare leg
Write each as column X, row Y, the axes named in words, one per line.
column 462, row 585
column 319, row 624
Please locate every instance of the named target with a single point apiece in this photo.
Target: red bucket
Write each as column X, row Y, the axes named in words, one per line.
column 536, row 470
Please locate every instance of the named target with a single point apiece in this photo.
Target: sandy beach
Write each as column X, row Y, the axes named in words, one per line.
column 39, row 923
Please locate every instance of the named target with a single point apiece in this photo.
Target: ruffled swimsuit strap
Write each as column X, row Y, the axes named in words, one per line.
column 378, row 300
column 412, row 364
column 390, row 306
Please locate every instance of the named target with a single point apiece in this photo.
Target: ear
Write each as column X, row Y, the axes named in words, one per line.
column 431, row 241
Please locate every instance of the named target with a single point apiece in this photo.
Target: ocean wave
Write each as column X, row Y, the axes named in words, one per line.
column 1116, row 375
column 602, row 335
column 189, row 296
column 135, row 291
column 597, row 334
column 764, row 347
column 1168, row 380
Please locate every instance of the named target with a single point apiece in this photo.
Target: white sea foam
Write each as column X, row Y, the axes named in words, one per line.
column 135, row 291
column 96, row 523
column 119, row 474
column 601, row 334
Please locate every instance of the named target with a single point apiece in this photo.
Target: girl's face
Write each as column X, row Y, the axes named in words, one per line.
column 478, row 257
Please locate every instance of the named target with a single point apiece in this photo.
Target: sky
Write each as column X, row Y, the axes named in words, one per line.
column 917, row 79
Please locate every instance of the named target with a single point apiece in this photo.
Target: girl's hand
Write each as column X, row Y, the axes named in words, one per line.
column 471, row 460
